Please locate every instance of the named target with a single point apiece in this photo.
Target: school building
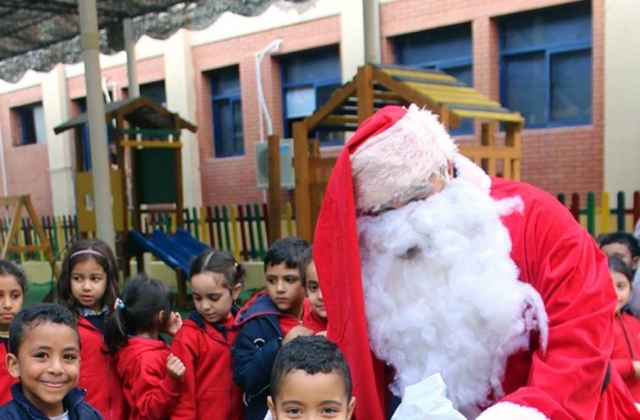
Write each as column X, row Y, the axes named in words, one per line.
column 570, row 67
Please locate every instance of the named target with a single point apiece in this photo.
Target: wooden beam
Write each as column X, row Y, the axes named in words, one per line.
column 301, row 165
column 365, row 92
column 274, row 225
column 152, row 144
column 338, row 97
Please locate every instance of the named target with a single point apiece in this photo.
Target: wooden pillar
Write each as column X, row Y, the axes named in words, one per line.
column 301, row 166
column 274, row 193
column 365, row 92
column 512, row 141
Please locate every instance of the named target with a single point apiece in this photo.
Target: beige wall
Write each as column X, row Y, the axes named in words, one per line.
column 621, row 96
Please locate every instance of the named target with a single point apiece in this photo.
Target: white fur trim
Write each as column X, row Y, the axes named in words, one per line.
column 391, row 164
column 511, row 411
column 472, row 172
column 437, row 276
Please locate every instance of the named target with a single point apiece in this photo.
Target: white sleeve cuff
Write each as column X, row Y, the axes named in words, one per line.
column 511, row 411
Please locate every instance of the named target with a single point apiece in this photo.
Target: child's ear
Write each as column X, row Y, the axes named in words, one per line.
column 351, row 407
column 272, row 408
column 635, row 260
column 236, row 291
column 13, row 366
column 161, row 320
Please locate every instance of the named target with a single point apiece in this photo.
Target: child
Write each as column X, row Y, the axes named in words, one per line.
column 626, row 349
column 625, row 246
column 150, row 374
column 268, row 322
column 316, row 317
column 622, row 244
column 12, row 286
column 204, row 341
column 88, row 286
column 45, row 354
column 311, row 379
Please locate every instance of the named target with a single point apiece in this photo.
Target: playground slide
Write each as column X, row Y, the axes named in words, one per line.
column 176, row 251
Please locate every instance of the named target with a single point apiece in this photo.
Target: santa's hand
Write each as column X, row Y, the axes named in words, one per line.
column 427, row 399
column 296, row 332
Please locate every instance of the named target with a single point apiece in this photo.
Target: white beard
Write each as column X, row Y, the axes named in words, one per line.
column 442, row 294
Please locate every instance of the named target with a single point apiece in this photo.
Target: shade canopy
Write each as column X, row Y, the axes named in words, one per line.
column 38, row 34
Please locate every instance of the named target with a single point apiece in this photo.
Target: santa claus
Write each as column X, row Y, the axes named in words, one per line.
column 428, row 265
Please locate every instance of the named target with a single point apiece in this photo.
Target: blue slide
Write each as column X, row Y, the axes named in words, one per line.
column 176, row 251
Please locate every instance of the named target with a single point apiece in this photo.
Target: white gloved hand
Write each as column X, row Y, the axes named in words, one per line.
column 427, row 399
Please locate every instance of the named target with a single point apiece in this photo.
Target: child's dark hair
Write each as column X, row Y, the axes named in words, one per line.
column 81, row 251
column 137, row 311
column 617, row 265
column 290, row 251
column 7, row 268
column 623, row 238
column 221, row 262
column 307, row 258
column 37, row 314
column 313, row 354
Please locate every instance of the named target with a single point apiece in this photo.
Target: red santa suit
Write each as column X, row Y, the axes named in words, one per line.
column 557, row 363
column 6, row 380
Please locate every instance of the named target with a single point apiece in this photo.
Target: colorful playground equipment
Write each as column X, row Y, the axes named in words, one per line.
column 146, row 178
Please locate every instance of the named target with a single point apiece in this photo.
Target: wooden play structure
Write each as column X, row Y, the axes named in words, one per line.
column 376, row 86
column 147, row 143
column 17, row 206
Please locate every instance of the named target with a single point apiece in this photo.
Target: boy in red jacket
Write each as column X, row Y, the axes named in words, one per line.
column 268, row 322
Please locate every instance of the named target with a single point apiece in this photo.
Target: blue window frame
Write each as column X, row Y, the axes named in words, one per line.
column 449, row 49
column 309, row 78
column 86, row 145
column 546, row 70
column 227, row 112
column 31, row 124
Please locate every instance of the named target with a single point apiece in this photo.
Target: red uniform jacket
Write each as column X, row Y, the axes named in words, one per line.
column 98, row 374
column 626, row 349
column 149, row 390
column 208, row 390
column 6, row 380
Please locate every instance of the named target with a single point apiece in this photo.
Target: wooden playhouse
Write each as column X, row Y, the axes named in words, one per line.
column 376, row 86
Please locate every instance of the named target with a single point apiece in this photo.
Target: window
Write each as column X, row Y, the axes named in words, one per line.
column 227, row 112
column 81, row 103
column 309, row 78
column 155, row 91
column 546, row 65
column 448, row 49
column 31, row 124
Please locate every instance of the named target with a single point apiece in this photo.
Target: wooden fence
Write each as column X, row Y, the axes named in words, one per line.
column 240, row 229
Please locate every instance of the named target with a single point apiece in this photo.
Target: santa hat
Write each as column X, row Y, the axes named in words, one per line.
column 392, row 153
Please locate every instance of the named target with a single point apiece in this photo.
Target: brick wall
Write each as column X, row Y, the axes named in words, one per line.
column 27, row 167
column 233, row 179
column 568, row 159
column 558, row 160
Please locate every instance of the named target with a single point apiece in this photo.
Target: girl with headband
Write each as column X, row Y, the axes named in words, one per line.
column 88, row 286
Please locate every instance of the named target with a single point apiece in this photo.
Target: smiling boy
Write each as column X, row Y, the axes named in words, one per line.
column 45, row 354
column 310, row 381
column 268, row 322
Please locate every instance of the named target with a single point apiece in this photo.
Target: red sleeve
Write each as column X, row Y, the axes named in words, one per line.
column 185, row 347
column 562, row 262
column 154, row 390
